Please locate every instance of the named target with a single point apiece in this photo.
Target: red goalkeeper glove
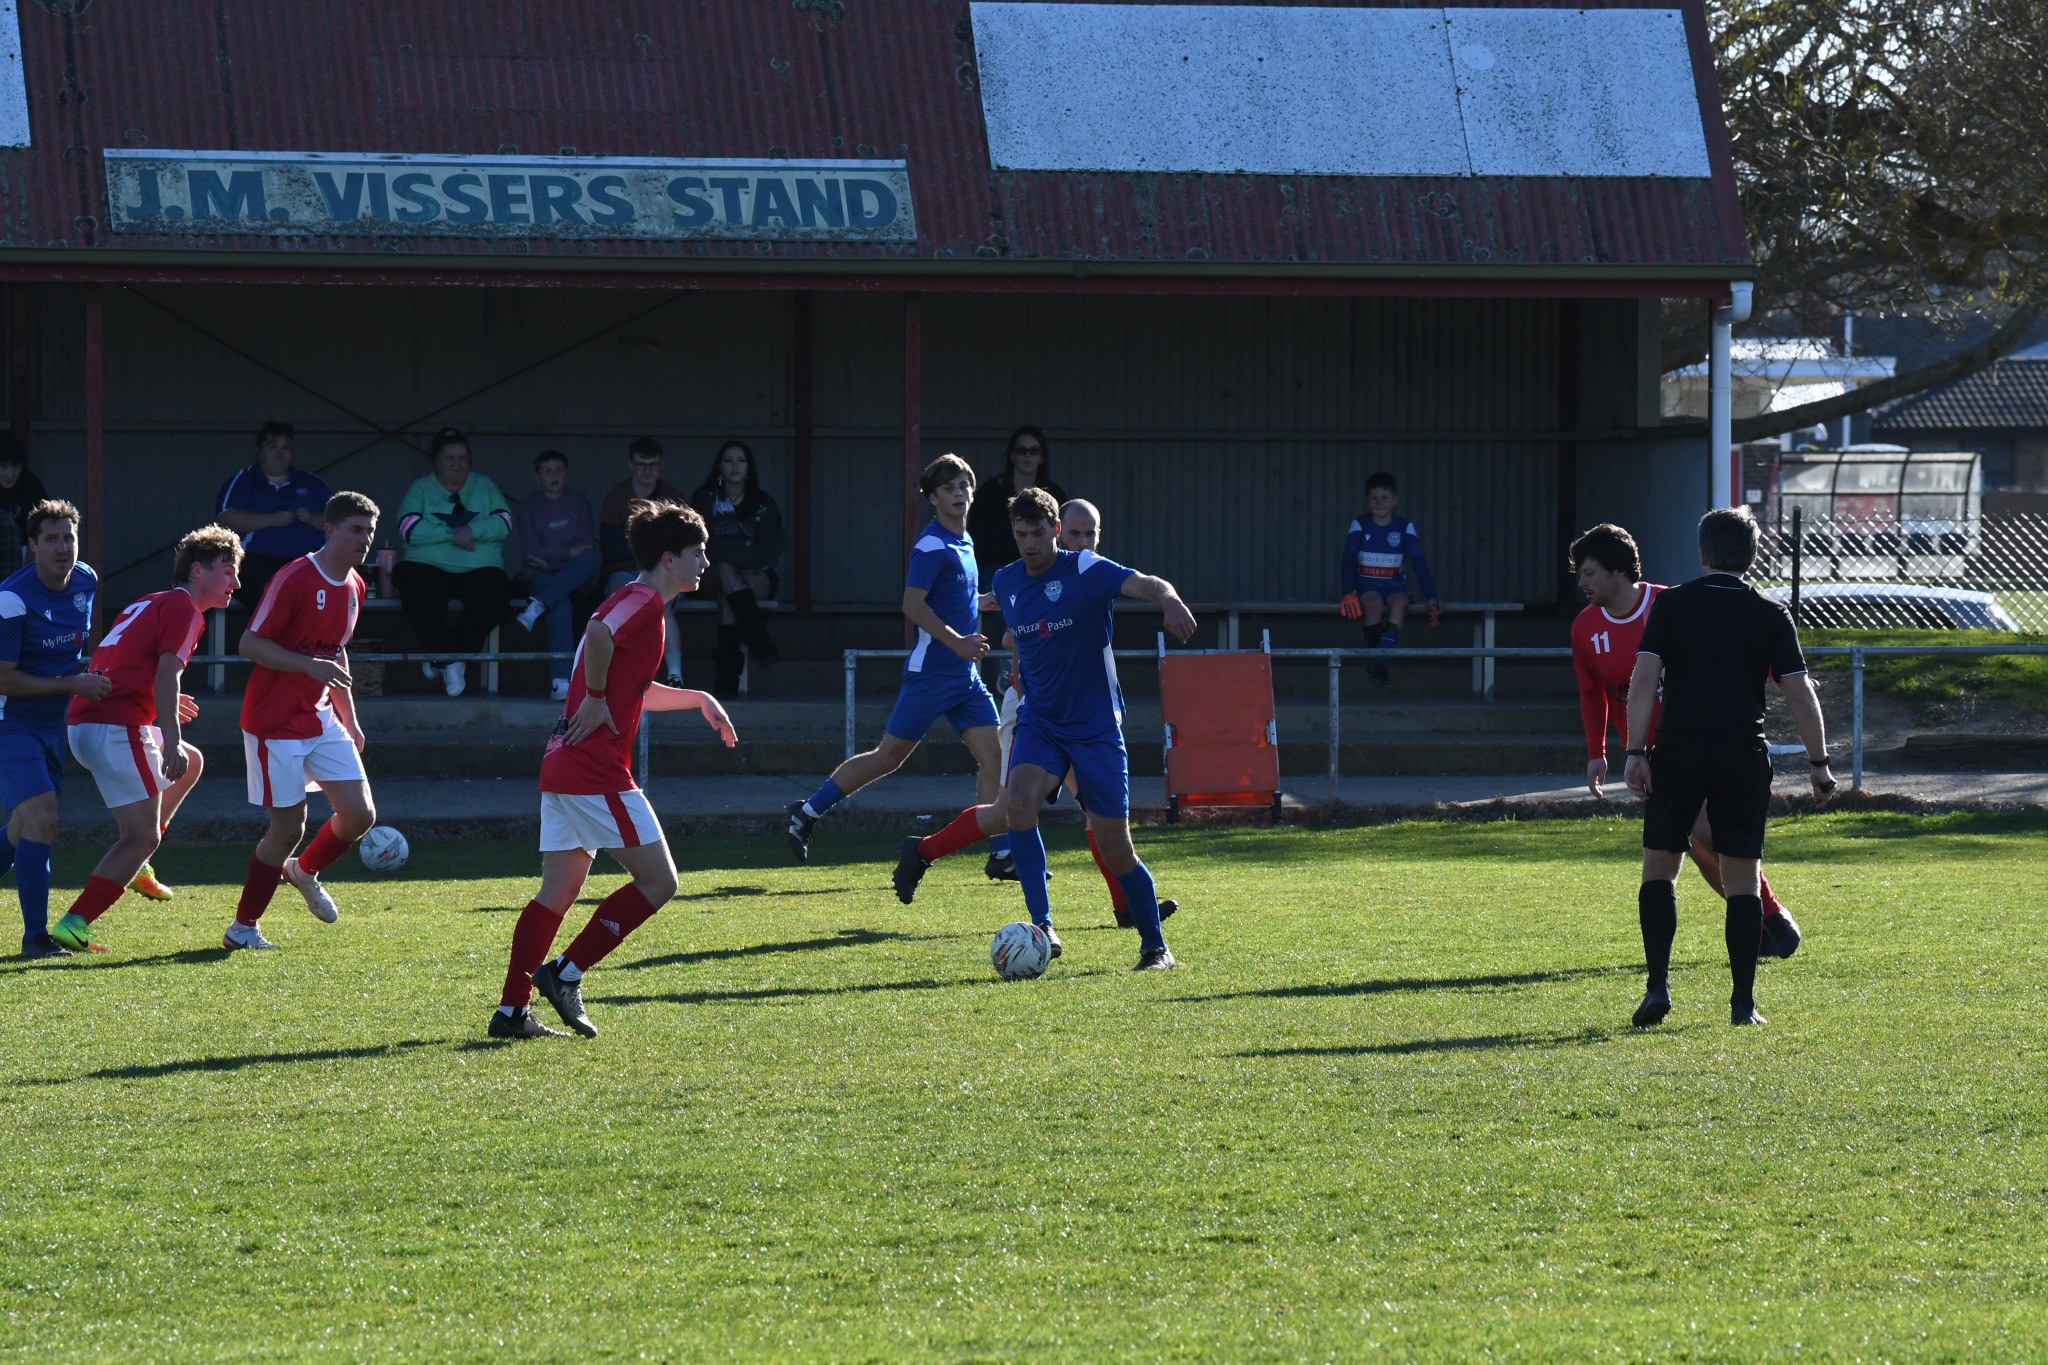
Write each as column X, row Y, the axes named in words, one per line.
column 1436, row 616
column 1348, row 608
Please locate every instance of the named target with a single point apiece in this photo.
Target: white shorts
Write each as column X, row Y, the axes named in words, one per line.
column 127, row 761
column 1006, row 730
column 282, row 771
column 614, row 820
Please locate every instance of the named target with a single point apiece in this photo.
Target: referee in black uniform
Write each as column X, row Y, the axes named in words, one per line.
column 1713, row 642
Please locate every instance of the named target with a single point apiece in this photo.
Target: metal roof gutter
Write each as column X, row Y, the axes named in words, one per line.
column 90, row 265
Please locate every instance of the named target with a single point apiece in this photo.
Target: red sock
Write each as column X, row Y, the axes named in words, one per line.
column 325, row 848
column 531, row 939
column 618, row 915
column 257, row 889
column 92, row 902
column 964, row 831
column 1116, row 888
column 1770, row 898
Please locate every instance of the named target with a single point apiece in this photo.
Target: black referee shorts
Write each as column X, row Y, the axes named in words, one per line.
column 1731, row 776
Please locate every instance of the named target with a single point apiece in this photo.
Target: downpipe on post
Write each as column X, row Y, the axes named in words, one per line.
column 1720, row 414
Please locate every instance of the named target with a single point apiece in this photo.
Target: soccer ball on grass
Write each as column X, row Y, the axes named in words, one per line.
column 383, row 849
column 1020, row 951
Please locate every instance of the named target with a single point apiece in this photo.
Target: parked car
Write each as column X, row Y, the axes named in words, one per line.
column 1894, row 606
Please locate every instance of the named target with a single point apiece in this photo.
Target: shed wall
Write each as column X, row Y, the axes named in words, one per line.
column 1227, row 441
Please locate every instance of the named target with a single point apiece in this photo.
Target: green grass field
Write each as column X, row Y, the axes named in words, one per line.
column 1932, row 684
column 1389, row 1108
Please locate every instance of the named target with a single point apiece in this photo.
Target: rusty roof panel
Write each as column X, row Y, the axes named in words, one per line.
column 877, row 79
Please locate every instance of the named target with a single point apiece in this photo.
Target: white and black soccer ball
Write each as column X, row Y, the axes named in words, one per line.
column 1020, row 951
column 384, row 849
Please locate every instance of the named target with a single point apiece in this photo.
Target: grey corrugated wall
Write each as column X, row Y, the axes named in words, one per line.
column 1227, row 440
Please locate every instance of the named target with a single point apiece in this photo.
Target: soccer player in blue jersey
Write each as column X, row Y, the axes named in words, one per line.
column 1372, row 582
column 1058, row 604
column 941, row 677
column 45, row 619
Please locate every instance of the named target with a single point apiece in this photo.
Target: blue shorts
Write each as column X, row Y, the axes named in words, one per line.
column 1385, row 587
column 1101, row 768
column 961, row 698
column 31, row 760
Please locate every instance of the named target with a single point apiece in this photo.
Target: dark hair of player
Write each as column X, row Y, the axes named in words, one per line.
column 654, row 529
column 1728, row 538
column 207, row 545
column 1044, row 459
column 1380, row 480
column 1034, row 507
column 715, row 480
column 445, row 437
column 1612, row 548
column 49, row 509
column 644, row 446
column 344, row 505
column 551, row 457
column 944, row 470
column 270, row 429
column 12, row 452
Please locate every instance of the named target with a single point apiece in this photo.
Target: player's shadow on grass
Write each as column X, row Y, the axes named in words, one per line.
column 845, row 938
column 185, row 958
column 1483, row 1043
column 1399, row 984
column 757, row 994
column 148, row 1071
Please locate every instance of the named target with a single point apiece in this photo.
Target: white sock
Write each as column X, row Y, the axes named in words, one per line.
column 813, row 814
column 570, row 971
column 508, row 1009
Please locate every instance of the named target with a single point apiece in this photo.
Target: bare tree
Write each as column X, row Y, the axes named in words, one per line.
column 1893, row 158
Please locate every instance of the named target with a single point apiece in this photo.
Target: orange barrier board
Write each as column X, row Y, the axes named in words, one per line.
column 1222, row 743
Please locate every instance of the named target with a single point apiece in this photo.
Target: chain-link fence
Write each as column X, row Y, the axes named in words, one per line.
column 1876, row 572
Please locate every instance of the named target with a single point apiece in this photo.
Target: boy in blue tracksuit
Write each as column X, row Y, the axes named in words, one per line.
column 45, row 619
column 1370, row 576
column 941, row 677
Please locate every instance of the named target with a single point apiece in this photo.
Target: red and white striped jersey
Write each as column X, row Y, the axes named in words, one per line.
column 159, row 624
column 603, row 762
column 311, row 614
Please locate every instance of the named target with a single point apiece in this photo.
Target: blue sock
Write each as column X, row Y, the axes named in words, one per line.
column 825, row 798
column 32, row 878
column 1029, row 850
column 1143, row 897
column 998, row 844
column 6, row 854
column 1390, row 636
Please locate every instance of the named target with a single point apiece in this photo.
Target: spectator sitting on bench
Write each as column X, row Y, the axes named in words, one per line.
column 746, row 543
column 558, row 545
column 643, row 464
column 453, row 523
column 279, row 511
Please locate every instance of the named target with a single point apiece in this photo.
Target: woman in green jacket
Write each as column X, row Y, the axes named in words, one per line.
column 453, row 524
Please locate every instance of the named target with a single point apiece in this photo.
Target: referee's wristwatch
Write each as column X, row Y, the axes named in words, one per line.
column 1635, row 753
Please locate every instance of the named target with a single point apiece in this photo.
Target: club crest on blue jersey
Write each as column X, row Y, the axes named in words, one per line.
column 1052, row 590
column 1393, row 537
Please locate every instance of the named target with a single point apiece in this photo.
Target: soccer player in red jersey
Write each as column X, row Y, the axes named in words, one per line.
column 1605, row 637
column 128, row 740
column 299, row 727
column 1080, row 529
column 588, row 798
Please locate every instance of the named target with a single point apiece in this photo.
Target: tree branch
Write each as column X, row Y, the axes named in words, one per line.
column 1966, row 362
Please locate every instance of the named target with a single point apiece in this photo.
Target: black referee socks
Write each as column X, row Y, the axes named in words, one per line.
column 1657, row 908
column 1744, row 933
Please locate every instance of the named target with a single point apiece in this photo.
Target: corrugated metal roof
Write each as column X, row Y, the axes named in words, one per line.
column 745, row 78
column 2010, row 395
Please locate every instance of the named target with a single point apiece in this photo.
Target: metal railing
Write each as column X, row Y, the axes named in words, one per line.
column 1334, row 659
